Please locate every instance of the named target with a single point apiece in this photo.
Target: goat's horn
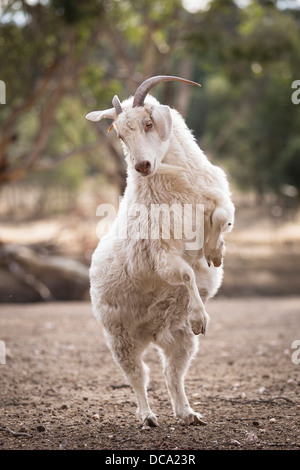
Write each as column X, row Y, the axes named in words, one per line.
column 146, row 86
column 117, row 105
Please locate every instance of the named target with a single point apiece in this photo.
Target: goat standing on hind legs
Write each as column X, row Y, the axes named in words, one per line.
column 154, row 289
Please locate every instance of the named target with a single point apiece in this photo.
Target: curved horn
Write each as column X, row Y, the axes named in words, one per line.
column 146, row 86
column 117, row 105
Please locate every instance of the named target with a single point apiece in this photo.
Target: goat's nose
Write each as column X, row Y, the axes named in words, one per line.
column 143, row 167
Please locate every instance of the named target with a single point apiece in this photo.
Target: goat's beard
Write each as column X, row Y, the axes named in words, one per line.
column 165, row 169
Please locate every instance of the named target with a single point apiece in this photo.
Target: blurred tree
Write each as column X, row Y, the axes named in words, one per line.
column 85, row 50
column 44, row 58
column 251, row 57
column 61, row 58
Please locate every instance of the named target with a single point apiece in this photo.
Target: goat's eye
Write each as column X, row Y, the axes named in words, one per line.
column 148, row 125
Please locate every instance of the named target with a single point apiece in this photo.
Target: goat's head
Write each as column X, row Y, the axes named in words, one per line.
column 144, row 128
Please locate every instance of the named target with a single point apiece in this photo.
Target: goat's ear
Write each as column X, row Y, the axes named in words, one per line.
column 162, row 119
column 97, row 115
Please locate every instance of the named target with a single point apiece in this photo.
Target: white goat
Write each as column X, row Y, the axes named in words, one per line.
column 155, row 290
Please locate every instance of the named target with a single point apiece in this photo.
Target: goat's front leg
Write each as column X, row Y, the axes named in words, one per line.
column 214, row 248
column 175, row 271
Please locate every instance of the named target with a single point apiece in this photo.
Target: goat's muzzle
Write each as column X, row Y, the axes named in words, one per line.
column 144, row 167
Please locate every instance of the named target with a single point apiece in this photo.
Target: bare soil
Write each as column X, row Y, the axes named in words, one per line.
column 60, row 388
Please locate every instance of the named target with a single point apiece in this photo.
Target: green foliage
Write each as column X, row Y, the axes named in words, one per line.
column 245, row 58
column 77, row 12
column 251, row 123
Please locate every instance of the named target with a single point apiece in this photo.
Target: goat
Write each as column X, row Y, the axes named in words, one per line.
column 155, row 290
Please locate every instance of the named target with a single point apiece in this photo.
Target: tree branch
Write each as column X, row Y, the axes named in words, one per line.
column 26, row 105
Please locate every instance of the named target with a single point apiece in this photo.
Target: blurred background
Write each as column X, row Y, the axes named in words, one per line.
column 61, row 59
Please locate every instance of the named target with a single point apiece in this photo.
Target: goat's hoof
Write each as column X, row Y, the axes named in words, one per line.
column 193, row 418
column 197, row 420
column 150, row 421
column 216, row 255
column 217, row 262
column 198, row 328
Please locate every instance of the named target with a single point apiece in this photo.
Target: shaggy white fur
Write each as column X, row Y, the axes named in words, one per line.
column 155, row 290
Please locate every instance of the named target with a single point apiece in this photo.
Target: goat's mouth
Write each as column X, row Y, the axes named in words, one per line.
column 144, row 168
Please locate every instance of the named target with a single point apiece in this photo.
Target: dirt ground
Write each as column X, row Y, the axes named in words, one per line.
column 60, row 388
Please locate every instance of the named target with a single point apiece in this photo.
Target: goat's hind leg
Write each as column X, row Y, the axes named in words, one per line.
column 129, row 357
column 176, row 357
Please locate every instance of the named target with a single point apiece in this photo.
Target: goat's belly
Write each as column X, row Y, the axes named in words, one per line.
column 117, row 298
column 148, row 307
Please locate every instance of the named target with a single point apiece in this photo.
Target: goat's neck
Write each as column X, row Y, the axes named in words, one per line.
column 160, row 189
